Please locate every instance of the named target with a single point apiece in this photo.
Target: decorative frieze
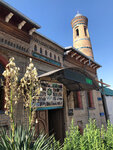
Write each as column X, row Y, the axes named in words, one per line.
column 47, row 45
column 11, row 42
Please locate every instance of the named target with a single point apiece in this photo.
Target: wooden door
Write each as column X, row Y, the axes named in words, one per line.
column 56, row 123
column 42, row 125
column 1, row 98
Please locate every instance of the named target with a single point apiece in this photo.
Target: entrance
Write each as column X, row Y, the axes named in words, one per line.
column 42, row 125
column 2, row 68
column 56, row 124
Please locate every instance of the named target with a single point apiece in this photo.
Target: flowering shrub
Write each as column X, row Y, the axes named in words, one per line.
column 30, row 89
column 27, row 89
column 11, row 96
column 21, row 138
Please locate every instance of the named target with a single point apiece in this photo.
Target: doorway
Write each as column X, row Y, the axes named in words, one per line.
column 56, row 124
column 2, row 68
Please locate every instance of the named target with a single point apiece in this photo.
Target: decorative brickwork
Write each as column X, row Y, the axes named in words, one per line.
column 81, row 41
column 18, row 43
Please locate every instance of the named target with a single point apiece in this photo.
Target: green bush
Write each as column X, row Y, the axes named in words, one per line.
column 93, row 138
column 108, row 136
column 72, row 139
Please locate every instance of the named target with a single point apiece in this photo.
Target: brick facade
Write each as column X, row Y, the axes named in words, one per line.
column 48, row 56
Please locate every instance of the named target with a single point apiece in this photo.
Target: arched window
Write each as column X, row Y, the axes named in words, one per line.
column 5, row 41
column 77, row 100
column 40, row 50
column 35, row 48
column 85, row 31
column 46, row 52
column 54, row 57
column 58, row 58
column 90, row 99
column 77, row 32
column 2, row 68
column 50, row 54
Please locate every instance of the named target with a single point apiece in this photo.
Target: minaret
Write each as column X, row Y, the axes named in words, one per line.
column 81, row 39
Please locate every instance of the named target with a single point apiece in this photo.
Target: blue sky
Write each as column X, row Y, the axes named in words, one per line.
column 55, row 17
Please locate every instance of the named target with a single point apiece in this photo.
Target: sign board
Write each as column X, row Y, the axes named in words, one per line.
column 89, row 81
column 46, row 59
column 70, row 112
column 51, row 95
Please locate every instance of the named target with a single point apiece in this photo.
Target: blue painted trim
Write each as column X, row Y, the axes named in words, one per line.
column 46, row 59
column 82, row 39
column 84, row 47
column 102, row 114
column 2, row 112
column 99, row 98
column 49, row 108
column 78, row 24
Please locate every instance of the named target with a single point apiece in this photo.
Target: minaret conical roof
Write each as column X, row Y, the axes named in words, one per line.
column 78, row 14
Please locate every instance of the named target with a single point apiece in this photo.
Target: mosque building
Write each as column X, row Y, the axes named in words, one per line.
column 68, row 74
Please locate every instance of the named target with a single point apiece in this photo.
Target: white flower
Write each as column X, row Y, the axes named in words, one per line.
column 36, row 121
column 30, row 59
column 41, row 89
column 31, row 65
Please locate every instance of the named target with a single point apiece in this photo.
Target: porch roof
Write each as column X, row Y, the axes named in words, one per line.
column 73, row 78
